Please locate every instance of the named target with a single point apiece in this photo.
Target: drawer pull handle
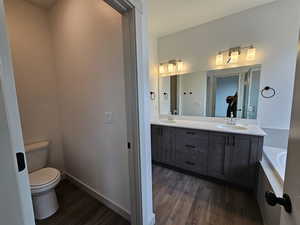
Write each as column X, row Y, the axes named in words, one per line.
column 190, row 163
column 191, row 133
column 190, row 146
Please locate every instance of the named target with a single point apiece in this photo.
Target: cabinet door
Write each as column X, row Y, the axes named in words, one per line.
column 156, row 138
column 161, row 143
column 166, row 153
column 243, row 160
column 218, row 159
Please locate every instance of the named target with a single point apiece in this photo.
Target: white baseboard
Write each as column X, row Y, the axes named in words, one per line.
column 152, row 222
column 105, row 201
column 62, row 175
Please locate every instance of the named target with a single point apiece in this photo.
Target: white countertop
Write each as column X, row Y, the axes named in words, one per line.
column 252, row 129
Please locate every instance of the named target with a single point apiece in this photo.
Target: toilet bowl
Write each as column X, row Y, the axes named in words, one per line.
column 43, row 180
column 42, row 184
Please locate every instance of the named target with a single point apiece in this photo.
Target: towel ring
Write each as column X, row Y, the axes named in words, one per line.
column 267, row 88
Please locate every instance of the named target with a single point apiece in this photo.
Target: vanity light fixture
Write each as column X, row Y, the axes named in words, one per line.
column 179, row 67
column 220, row 59
column 162, row 69
column 234, row 55
column 171, row 68
column 251, row 53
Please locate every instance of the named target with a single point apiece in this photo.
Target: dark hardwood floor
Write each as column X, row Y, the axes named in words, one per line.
column 79, row 208
column 181, row 199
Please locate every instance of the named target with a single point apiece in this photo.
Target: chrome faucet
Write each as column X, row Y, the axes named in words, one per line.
column 170, row 117
column 232, row 120
column 172, row 114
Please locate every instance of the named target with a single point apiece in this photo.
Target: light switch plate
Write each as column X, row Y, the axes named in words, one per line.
column 108, row 117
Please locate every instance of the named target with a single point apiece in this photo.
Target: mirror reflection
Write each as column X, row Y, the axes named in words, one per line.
column 216, row 93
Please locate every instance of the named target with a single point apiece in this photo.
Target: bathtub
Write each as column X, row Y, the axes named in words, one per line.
column 271, row 178
column 276, row 157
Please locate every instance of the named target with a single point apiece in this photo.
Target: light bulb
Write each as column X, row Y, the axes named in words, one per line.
column 161, row 69
column 179, row 66
column 251, row 53
column 234, row 57
column 219, row 59
column 171, row 68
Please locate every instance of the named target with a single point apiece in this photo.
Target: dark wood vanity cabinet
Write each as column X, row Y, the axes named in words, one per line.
column 191, row 149
column 162, row 144
column 244, row 155
column 156, row 138
column 230, row 157
column 218, row 157
column 234, row 158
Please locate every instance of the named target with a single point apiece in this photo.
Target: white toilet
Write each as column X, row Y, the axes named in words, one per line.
column 43, row 180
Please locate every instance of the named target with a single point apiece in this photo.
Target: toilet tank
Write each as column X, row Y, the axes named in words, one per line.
column 36, row 155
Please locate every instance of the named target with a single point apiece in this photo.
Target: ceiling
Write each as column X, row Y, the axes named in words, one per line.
column 170, row 16
column 43, row 3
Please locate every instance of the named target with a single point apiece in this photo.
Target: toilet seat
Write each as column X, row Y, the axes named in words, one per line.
column 43, row 180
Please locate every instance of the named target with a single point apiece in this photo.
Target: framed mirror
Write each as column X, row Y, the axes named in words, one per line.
column 230, row 92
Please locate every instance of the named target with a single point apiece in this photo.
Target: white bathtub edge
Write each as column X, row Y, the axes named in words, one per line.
column 270, row 214
column 272, row 154
column 274, row 178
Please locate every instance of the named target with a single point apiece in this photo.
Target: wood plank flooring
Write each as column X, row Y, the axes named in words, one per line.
column 79, row 208
column 181, row 199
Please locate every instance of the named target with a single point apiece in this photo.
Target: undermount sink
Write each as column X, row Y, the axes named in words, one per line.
column 232, row 127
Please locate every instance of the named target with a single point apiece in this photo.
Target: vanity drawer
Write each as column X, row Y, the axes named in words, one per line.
column 191, row 146
column 195, row 141
column 192, row 161
column 191, row 134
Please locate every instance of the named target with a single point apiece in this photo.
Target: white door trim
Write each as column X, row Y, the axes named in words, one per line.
column 13, row 123
column 291, row 180
column 135, row 80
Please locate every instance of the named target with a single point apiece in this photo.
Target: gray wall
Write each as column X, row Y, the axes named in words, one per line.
column 88, row 40
column 68, row 63
column 193, row 104
column 277, row 138
column 35, row 75
column 275, row 38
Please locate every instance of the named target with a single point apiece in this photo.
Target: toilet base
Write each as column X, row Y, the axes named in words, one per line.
column 44, row 204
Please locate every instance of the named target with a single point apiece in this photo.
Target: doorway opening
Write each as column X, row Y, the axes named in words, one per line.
column 203, row 151
column 58, row 76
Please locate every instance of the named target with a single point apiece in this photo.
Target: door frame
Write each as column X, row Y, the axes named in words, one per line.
column 15, row 142
column 135, row 84
column 135, row 80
